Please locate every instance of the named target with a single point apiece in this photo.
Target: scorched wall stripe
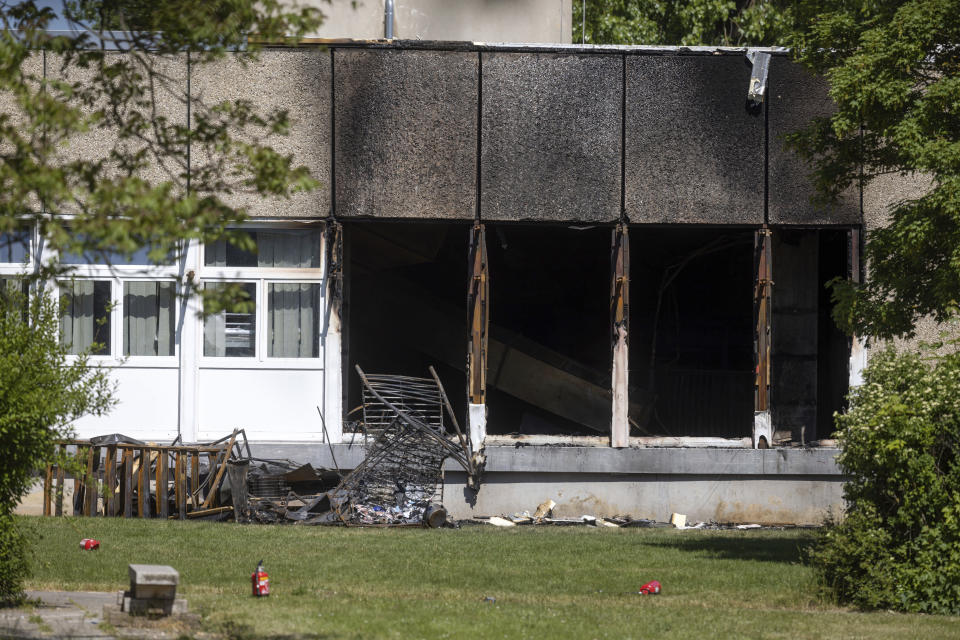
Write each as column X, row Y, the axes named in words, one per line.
column 405, row 133
column 551, row 132
column 694, row 153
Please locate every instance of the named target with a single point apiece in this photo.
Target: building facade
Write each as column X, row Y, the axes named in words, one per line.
column 604, row 250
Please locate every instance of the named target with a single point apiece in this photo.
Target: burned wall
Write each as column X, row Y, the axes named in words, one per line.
column 795, row 97
column 406, row 132
column 551, row 137
column 694, row 151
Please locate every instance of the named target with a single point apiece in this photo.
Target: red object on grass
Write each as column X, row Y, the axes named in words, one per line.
column 651, row 588
column 89, row 544
column 260, row 581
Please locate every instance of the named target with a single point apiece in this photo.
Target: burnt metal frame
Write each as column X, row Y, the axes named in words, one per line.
column 762, row 305
column 478, row 319
column 619, row 336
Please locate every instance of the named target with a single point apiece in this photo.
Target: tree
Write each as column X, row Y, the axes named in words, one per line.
column 159, row 181
column 41, row 392
column 894, row 73
column 156, row 182
column 686, row 22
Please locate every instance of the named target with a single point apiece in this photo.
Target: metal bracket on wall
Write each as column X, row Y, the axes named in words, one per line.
column 758, row 77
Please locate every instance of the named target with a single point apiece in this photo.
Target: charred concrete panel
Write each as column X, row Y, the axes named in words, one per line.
column 694, row 153
column 294, row 80
column 795, row 97
column 551, row 137
column 406, row 133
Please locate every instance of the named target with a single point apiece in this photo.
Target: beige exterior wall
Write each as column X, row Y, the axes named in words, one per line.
column 541, row 21
column 879, row 197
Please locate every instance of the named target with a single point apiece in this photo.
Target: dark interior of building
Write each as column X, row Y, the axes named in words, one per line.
column 405, row 304
column 549, row 352
column 548, row 368
column 691, row 331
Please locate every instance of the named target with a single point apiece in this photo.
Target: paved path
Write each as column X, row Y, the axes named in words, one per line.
column 61, row 614
column 78, row 614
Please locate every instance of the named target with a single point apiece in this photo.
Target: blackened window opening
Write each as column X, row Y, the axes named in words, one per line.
column 691, row 333
column 548, row 366
column 407, row 306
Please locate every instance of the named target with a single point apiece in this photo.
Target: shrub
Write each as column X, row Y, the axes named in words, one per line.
column 898, row 546
column 13, row 564
column 41, row 392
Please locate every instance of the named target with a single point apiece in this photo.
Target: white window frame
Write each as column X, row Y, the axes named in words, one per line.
column 262, row 277
column 117, row 275
column 19, row 269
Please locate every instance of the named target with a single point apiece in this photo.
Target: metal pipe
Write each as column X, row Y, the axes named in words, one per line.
column 388, row 19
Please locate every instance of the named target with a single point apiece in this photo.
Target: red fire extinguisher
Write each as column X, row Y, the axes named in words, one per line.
column 260, row 581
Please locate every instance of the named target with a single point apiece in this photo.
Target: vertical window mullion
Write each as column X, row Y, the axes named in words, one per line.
column 262, row 329
column 116, row 321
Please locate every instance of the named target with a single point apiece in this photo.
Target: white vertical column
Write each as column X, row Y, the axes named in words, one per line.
column 332, row 405
column 330, row 335
column 188, row 338
column 620, row 326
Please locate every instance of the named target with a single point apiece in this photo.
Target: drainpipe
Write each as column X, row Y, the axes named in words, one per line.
column 388, row 19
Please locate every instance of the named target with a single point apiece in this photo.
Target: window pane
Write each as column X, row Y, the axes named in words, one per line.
column 284, row 248
column 230, row 334
column 19, row 291
column 10, row 285
column 15, row 246
column 139, row 258
column 148, row 318
column 293, row 320
column 85, row 316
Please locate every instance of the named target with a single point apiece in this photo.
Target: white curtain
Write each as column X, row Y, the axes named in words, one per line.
column 293, row 320
column 148, row 319
column 275, row 249
column 77, row 319
column 292, row 249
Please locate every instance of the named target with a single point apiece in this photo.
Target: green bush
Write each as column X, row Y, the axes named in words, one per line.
column 42, row 391
column 898, row 546
column 13, row 564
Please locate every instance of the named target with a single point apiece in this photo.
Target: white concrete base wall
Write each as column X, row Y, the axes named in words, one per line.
column 744, row 499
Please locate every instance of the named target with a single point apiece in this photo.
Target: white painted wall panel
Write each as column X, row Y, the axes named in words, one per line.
column 147, row 407
column 270, row 404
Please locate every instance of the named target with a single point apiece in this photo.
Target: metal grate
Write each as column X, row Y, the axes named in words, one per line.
column 418, row 397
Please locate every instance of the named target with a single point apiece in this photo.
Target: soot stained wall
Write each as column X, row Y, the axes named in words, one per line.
column 694, row 152
column 795, row 97
column 551, row 137
column 406, row 133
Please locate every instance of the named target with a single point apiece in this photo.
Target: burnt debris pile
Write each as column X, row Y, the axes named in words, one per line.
column 397, row 482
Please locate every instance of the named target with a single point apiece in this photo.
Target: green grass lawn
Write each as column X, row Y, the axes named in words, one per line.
column 576, row 582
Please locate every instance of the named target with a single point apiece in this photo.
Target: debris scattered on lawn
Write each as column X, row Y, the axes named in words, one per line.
column 500, row 522
column 89, row 544
column 398, row 479
column 545, row 510
column 618, row 521
column 678, row 520
column 651, row 588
